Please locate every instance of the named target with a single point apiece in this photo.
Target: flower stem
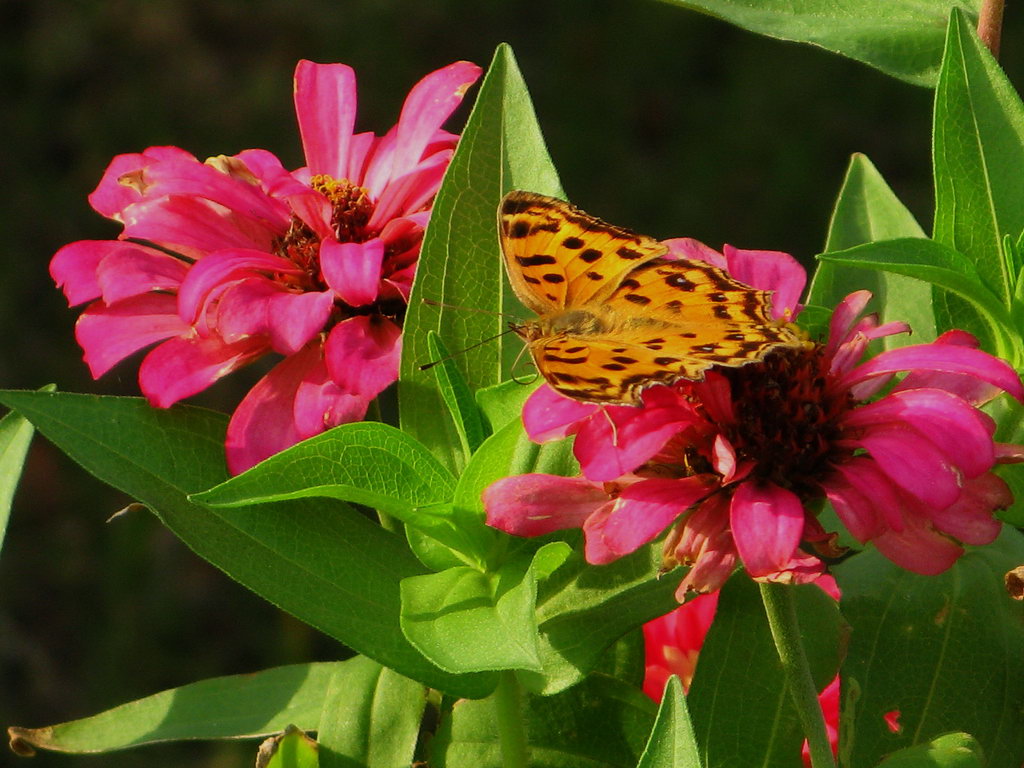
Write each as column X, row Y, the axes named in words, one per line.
column 990, row 24
column 508, row 708
column 781, row 609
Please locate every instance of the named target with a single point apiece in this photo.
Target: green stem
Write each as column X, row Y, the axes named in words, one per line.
column 508, row 707
column 990, row 24
column 781, row 609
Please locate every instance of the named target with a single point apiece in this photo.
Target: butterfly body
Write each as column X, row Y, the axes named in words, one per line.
column 616, row 313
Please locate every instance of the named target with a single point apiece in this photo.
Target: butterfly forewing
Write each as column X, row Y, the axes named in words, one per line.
column 615, row 314
column 558, row 256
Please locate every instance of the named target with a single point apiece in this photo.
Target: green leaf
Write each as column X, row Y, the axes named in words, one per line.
column 601, row 723
column 584, row 609
column 501, row 148
column 456, row 396
column 15, row 437
column 235, row 706
column 672, row 743
column 945, row 651
column 903, row 38
column 942, row 266
column 504, row 402
column 978, row 153
column 319, row 560
column 291, row 749
column 468, row 621
column 741, row 710
column 954, row 750
column 867, row 210
column 371, row 717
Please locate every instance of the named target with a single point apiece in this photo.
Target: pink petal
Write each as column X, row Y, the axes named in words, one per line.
column 193, row 227
column 919, row 548
column 801, row 568
column 549, row 416
column 263, row 423
column 626, row 437
column 111, row 195
column 380, row 158
column 532, row 505
column 410, row 192
column 427, row 106
column 73, row 267
column 325, row 104
column 352, row 270
column 216, row 271
column 867, row 479
column 641, row 512
column 844, row 319
column 313, row 208
column 133, row 271
column 973, row 390
column 969, row 519
column 770, row 271
column 259, row 306
column 913, row 463
column 183, row 366
column 362, row 354
column 856, row 511
column 953, row 426
column 321, row 404
column 766, row 523
column 108, row 334
column 944, row 358
column 694, row 250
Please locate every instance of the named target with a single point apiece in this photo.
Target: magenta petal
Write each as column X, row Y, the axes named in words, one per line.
column 108, row 334
column 427, row 106
column 255, row 306
column 111, row 196
column 844, row 319
column 695, row 250
column 193, row 227
column 362, row 354
column 263, row 423
column 325, row 104
column 410, row 192
column 969, row 518
column 864, row 475
column 953, row 426
column 624, row 437
column 770, row 271
column 913, row 463
column 973, row 390
column 353, row 270
column 183, row 366
column 548, row 415
column 128, row 272
column 943, row 358
column 766, row 523
column 532, row 505
column 856, row 511
column 641, row 512
column 220, row 268
column 73, row 268
column 919, row 548
column 321, row 404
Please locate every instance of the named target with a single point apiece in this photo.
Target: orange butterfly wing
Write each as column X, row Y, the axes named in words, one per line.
column 616, row 316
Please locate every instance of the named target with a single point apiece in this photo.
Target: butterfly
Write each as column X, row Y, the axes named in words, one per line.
column 615, row 314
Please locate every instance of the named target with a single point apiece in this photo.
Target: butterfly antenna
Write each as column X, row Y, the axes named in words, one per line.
column 432, row 363
column 516, row 362
column 433, row 303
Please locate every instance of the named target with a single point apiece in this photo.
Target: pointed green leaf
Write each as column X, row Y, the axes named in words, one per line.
column 501, row 148
column 371, row 718
column 944, row 651
column 978, row 153
column 867, row 210
column 672, row 743
column 15, row 437
column 600, row 723
column 318, row 559
column 219, row 708
column 944, row 267
column 741, row 710
column 457, row 397
column 903, row 38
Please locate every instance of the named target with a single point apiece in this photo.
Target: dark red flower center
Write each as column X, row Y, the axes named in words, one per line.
column 787, row 417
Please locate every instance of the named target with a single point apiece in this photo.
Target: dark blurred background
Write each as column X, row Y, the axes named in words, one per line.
column 657, row 118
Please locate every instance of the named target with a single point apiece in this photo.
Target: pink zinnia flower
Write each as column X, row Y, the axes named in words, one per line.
column 226, row 261
column 673, row 642
column 734, row 462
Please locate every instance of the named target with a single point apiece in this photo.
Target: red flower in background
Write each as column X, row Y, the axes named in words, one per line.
column 223, row 262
